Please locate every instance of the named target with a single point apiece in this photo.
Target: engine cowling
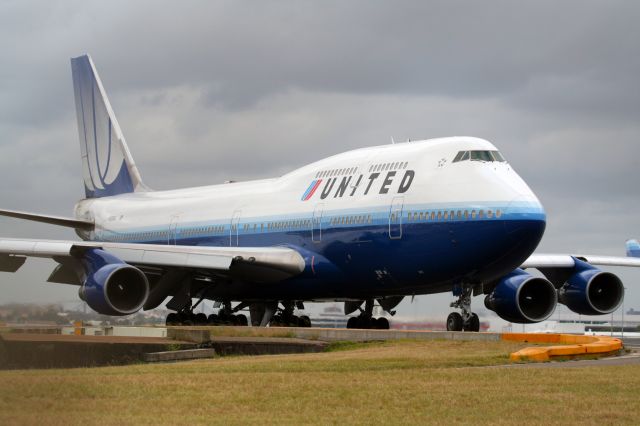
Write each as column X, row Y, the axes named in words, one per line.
column 590, row 291
column 112, row 287
column 522, row 298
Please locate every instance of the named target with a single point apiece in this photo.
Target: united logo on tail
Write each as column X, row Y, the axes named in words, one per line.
column 107, row 166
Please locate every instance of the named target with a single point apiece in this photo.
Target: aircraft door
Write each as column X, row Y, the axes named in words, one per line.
column 316, row 224
column 395, row 218
column 233, row 229
column 172, row 235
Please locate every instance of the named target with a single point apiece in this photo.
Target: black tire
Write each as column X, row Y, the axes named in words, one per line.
column 473, row 324
column 454, row 322
column 366, row 323
column 172, row 319
column 200, row 319
column 241, row 319
column 183, row 318
column 305, row 321
column 213, row 319
column 382, row 323
column 352, row 322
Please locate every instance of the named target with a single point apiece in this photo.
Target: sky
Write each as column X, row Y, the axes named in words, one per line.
column 208, row 91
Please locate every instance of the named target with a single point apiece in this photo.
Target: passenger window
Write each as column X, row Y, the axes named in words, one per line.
column 439, row 215
column 498, row 213
column 473, row 214
column 446, row 215
column 489, row 214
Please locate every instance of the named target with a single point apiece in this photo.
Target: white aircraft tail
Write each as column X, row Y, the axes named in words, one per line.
column 107, row 165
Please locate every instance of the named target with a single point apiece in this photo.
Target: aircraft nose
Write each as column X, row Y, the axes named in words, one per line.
column 526, row 221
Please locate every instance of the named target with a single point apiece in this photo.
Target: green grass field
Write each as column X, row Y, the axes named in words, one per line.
column 407, row 382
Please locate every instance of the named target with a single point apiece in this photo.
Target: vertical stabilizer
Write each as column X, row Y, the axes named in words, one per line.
column 107, row 166
column 633, row 248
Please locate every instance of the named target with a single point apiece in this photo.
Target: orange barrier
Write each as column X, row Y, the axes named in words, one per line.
column 572, row 346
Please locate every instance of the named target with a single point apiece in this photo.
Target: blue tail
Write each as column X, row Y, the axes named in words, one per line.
column 633, row 248
column 107, row 166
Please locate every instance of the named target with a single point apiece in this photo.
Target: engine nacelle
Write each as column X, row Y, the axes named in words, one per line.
column 590, row 291
column 112, row 287
column 522, row 298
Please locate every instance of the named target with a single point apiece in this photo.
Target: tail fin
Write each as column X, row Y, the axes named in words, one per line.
column 107, row 165
column 633, row 248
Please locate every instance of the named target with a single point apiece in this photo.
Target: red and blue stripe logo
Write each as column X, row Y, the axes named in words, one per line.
column 311, row 189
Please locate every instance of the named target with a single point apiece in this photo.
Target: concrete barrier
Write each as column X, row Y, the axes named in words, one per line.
column 357, row 335
column 183, row 355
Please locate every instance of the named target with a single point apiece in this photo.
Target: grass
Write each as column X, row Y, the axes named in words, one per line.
column 433, row 382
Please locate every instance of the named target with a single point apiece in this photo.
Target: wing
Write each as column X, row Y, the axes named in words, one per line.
column 558, row 268
column 561, row 261
column 258, row 264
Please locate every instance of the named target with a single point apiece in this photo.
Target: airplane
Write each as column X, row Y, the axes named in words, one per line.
column 633, row 248
column 375, row 224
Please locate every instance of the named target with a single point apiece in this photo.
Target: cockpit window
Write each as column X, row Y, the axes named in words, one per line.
column 497, row 156
column 479, row 156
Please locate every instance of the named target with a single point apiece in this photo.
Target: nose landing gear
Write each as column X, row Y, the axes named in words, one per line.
column 465, row 320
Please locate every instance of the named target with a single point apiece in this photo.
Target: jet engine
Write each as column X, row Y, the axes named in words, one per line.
column 590, row 291
column 111, row 286
column 522, row 298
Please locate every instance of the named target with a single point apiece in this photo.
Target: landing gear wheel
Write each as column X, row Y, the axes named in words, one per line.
column 473, row 324
column 241, row 320
column 305, row 321
column 352, row 322
column 173, row 319
column 382, row 323
column 454, row 322
column 200, row 319
column 212, row 319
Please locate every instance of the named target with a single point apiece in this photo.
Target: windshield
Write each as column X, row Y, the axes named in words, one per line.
column 479, row 156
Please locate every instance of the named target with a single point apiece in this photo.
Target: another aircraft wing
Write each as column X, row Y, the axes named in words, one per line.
column 549, row 261
column 259, row 264
column 52, row 220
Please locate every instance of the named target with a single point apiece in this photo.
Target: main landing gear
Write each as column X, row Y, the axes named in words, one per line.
column 366, row 320
column 465, row 320
column 286, row 318
column 226, row 316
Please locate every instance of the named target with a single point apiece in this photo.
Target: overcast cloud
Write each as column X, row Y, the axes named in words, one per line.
column 207, row 91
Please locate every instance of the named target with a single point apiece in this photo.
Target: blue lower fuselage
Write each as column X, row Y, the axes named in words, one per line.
column 376, row 256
